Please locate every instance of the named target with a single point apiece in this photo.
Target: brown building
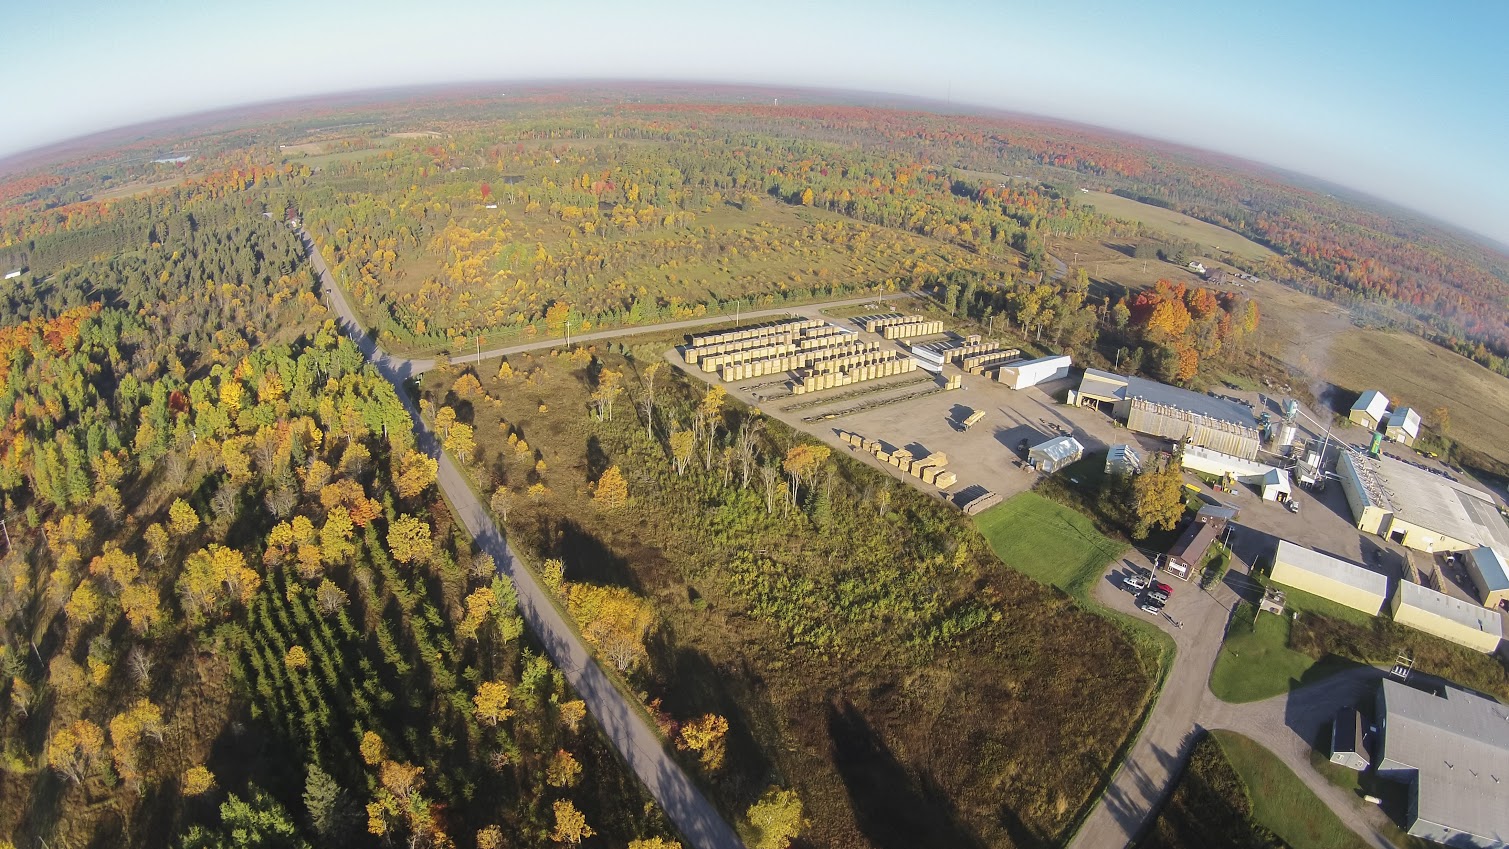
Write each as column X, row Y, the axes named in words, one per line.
column 1184, row 558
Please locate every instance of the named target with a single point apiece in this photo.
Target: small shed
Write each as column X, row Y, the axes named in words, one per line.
column 1123, row 460
column 1370, row 409
column 1403, row 426
column 1490, row 574
column 1446, row 617
column 1048, row 457
column 1330, row 578
column 1032, row 372
column 1273, row 601
column 1184, row 558
column 1347, row 746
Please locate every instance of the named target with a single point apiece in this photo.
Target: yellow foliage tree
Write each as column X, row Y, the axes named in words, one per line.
column 197, row 780
column 372, row 748
column 614, row 620
column 777, row 819
column 570, row 826
column 85, row 604
column 74, row 749
column 415, row 472
column 654, row 843
column 410, row 539
column 572, row 713
column 479, row 606
column 142, row 606
column 707, row 736
column 296, row 658
column 182, row 520
column 612, row 490
column 563, row 770
column 491, row 702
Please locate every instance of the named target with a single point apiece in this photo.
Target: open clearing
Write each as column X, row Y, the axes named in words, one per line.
column 1177, row 225
column 1048, row 542
column 1281, row 801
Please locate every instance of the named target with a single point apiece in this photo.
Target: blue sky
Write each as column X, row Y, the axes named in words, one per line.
column 1403, row 101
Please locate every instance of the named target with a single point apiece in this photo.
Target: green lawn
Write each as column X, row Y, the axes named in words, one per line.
column 1049, row 542
column 1256, row 662
column 1281, row 802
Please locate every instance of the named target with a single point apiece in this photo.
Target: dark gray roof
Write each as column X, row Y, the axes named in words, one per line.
column 1459, row 742
column 1194, row 402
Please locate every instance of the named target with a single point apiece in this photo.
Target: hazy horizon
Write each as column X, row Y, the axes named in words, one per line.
column 1376, row 98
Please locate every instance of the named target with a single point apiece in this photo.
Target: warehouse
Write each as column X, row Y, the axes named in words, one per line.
column 1175, row 414
column 1417, row 508
column 1032, row 372
column 1330, row 578
column 1370, row 409
column 1048, row 457
column 1490, row 575
column 1449, row 618
column 1403, row 426
column 1453, row 752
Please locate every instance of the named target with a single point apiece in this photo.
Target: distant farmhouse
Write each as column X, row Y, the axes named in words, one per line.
column 1453, row 752
column 1180, row 415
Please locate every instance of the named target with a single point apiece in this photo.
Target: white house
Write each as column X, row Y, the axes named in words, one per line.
column 1197, row 267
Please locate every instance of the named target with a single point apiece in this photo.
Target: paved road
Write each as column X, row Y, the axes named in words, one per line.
column 694, row 816
column 1285, row 725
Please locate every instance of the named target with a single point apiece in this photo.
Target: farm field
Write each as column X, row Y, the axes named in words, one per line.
column 1218, row 240
column 837, row 669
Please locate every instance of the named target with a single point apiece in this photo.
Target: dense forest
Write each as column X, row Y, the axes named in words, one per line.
column 235, row 603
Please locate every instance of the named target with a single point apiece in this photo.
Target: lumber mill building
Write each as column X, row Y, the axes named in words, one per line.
column 1180, row 415
column 1328, row 577
column 1453, row 752
column 1490, row 574
column 1418, row 508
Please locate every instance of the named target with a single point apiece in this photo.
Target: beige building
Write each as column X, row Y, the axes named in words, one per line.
column 1320, row 574
column 1370, row 409
column 1449, row 618
column 1403, row 426
column 1490, row 575
column 1417, row 508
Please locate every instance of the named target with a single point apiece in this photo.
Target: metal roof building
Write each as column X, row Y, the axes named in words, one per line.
column 1453, row 751
column 1048, row 457
column 1033, row 372
column 1320, row 574
column 1369, row 409
column 1184, row 558
column 1403, row 426
column 1449, row 618
column 1418, row 508
column 1177, row 414
column 1490, row 574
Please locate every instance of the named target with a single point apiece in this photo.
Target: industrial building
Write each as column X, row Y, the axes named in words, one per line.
column 1180, row 415
column 1123, row 460
column 1347, row 748
column 1032, row 372
column 1490, row 574
column 1369, row 410
column 1418, row 508
column 1441, row 615
column 1184, row 558
column 1403, row 426
column 1453, row 752
column 1274, row 483
column 1330, row 578
column 1048, row 457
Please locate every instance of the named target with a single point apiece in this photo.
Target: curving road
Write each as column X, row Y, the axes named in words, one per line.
column 626, row 728
column 1285, row 725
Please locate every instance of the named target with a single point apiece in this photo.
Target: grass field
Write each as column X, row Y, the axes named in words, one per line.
column 1209, row 806
column 1281, row 802
column 1048, row 542
column 1218, row 240
column 1256, row 662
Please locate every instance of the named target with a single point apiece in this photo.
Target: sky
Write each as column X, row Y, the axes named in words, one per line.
column 1405, row 101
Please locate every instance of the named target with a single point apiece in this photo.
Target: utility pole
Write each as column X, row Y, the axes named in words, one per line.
column 6, row 530
column 568, row 335
column 479, row 349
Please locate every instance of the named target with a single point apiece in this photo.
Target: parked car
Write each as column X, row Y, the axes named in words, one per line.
column 1160, row 591
column 1138, row 579
column 1150, row 604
